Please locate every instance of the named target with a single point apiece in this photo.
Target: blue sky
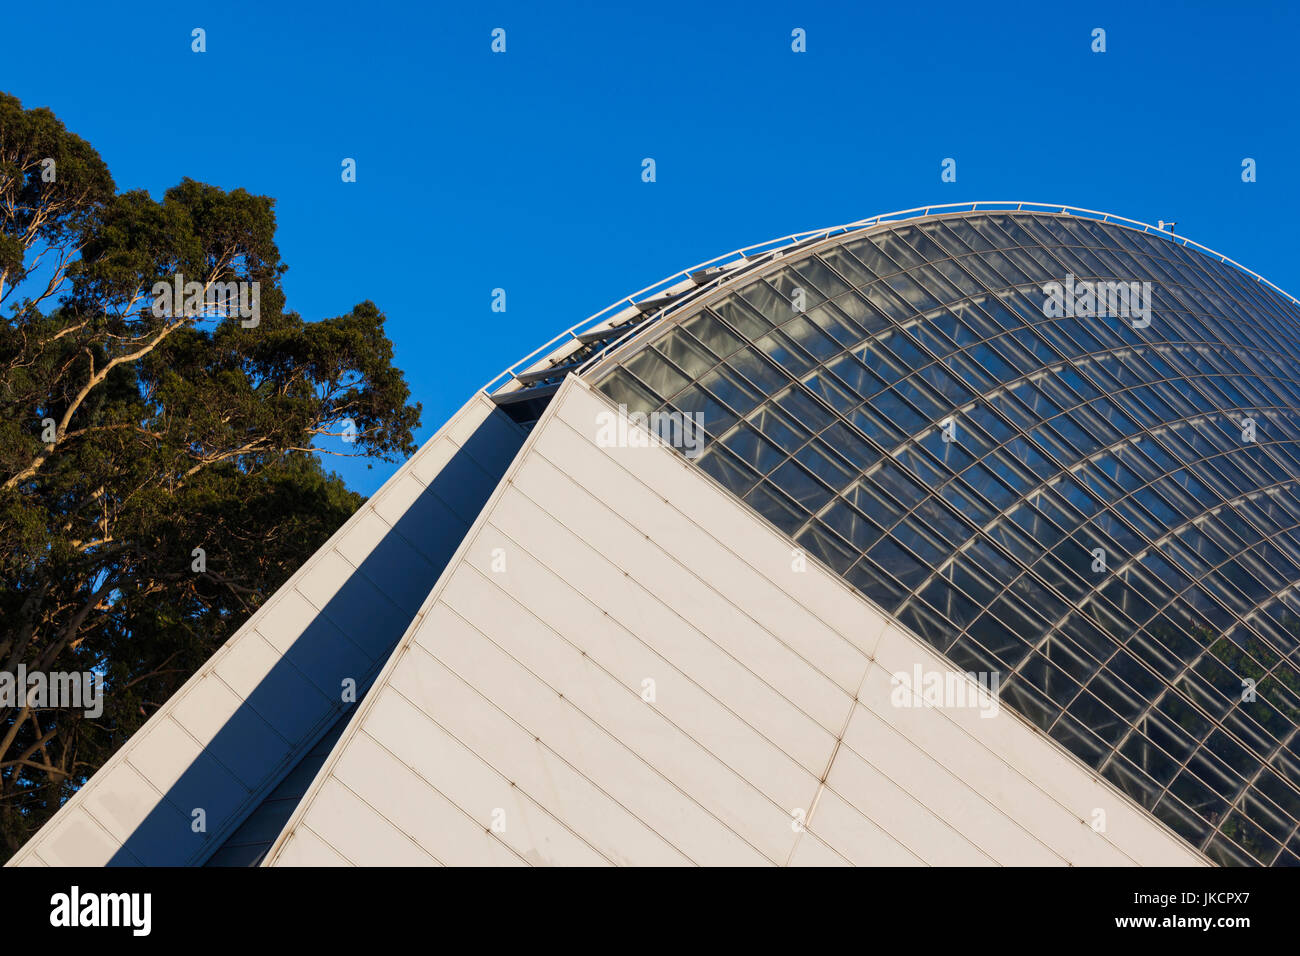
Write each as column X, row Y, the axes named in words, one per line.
column 523, row 170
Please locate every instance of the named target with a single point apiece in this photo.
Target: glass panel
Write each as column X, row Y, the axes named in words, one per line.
column 627, row 391
column 656, row 371
column 686, row 354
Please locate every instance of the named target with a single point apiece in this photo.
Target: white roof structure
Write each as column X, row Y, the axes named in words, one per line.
column 551, row 639
column 512, row 725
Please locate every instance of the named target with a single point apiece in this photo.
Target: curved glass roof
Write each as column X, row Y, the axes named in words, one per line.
column 1099, row 508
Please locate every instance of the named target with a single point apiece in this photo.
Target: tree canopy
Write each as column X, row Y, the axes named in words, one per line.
column 131, row 436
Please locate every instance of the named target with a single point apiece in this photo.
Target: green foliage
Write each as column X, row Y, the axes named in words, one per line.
column 172, row 433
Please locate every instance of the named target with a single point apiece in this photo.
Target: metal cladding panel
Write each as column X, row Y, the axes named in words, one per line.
column 729, row 654
column 726, row 529
column 623, row 665
column 464, row 779
column 854, row 836
column 360, row 835
column 924, row 812
column 715, row 815
column 249, row 843
column 540, row 776
column 692, row 701
column 122, row 809
column 418, row 809
column 800, row 655
column 309, row 851
column 258, row 707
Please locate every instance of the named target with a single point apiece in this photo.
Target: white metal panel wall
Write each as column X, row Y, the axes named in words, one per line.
column 623, row 665
column 226, row 739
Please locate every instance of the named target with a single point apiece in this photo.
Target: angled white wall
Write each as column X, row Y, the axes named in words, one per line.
column 513, row 724
column 257, row 708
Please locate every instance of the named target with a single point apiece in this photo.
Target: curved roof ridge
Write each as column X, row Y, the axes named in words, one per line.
column 762, row 252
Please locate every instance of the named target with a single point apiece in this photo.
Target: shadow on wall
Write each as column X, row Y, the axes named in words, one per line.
column 281, row 724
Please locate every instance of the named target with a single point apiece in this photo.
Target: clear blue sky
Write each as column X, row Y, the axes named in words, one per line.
column 523, row 170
